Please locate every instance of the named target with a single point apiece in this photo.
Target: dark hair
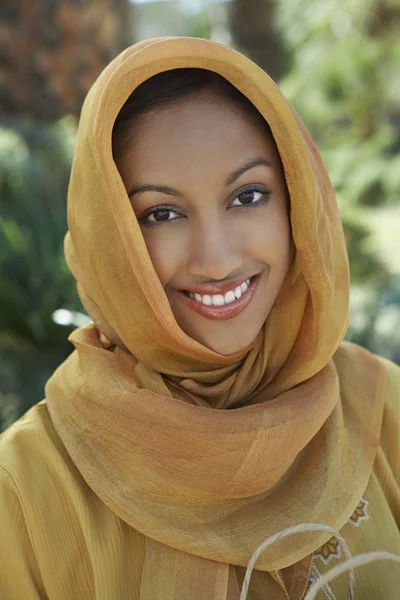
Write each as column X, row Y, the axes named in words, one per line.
column 168, row 86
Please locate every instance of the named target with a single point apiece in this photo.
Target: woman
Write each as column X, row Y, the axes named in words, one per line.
column 212, row 403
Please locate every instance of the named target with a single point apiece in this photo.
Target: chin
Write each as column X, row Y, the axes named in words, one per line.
column 224, row 350
column 226, row 345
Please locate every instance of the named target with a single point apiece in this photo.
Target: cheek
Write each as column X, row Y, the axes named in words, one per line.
column 269, row 237
column 166, row 252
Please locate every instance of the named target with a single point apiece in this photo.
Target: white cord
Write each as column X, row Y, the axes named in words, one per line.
column 356, row 561
column 304, row 527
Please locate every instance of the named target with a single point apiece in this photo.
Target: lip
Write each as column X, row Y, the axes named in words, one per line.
column 214, row 288
column 228, row 311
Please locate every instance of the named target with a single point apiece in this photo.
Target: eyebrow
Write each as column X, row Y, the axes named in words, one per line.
column 165, row 189
column 254, row 162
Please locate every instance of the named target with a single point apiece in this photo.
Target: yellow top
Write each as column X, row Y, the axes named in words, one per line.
column 59, row 541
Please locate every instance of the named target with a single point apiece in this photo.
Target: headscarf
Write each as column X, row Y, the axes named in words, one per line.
column 207, row 455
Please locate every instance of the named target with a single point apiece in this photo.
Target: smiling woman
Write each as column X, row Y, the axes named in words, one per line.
column 212, row 403
column 206, row 183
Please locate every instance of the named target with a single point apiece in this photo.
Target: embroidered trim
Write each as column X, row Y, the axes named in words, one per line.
column 360, row 514
column 332, row 548
column 315, row 575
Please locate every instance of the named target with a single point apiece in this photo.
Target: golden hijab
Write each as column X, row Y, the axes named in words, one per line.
column 208, row 455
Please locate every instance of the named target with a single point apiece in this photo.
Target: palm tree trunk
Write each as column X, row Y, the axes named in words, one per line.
column 254, row 33
column 51, row 52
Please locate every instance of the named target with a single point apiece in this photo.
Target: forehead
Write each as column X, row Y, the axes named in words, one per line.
column 201, row 128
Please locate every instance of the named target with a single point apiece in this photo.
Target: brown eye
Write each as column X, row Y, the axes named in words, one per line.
column 249, row 197
column 161, row 215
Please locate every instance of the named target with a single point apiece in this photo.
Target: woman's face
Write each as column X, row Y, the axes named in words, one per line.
column 207, row 187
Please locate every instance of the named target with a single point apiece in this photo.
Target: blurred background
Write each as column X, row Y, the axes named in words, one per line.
column 336, row 60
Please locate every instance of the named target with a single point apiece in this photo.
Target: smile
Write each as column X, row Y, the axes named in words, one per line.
column 222, row 306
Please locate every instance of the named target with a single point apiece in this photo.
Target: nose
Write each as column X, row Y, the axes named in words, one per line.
column 214, row 253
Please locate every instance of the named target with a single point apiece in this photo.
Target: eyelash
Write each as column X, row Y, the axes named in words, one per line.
column 144, row 218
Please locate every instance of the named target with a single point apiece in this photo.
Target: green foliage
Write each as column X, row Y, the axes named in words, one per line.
column 34, row 171
column 200, row 25
column 344, row 81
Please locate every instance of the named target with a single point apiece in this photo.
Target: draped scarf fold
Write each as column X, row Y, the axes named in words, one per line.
column 208, row 455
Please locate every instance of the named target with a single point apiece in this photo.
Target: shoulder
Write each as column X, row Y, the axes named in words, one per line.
column 31, row 450
column 21, row 447
column 33, row 428
column 354, row 360
column 43, row 510
column 47, row 510
column 37, row 470
column 363, row 380
column 390, row 433
column 370, row 384
column 373, row 383
column 393, row 384
column 359, row 368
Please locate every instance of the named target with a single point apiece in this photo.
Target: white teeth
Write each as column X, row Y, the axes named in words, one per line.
column 219, row 299
column 229, row 297
column 238, row 292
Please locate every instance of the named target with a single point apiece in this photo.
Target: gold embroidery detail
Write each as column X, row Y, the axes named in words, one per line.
column 328, row 551
column 360, row 514
column 332, row 548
